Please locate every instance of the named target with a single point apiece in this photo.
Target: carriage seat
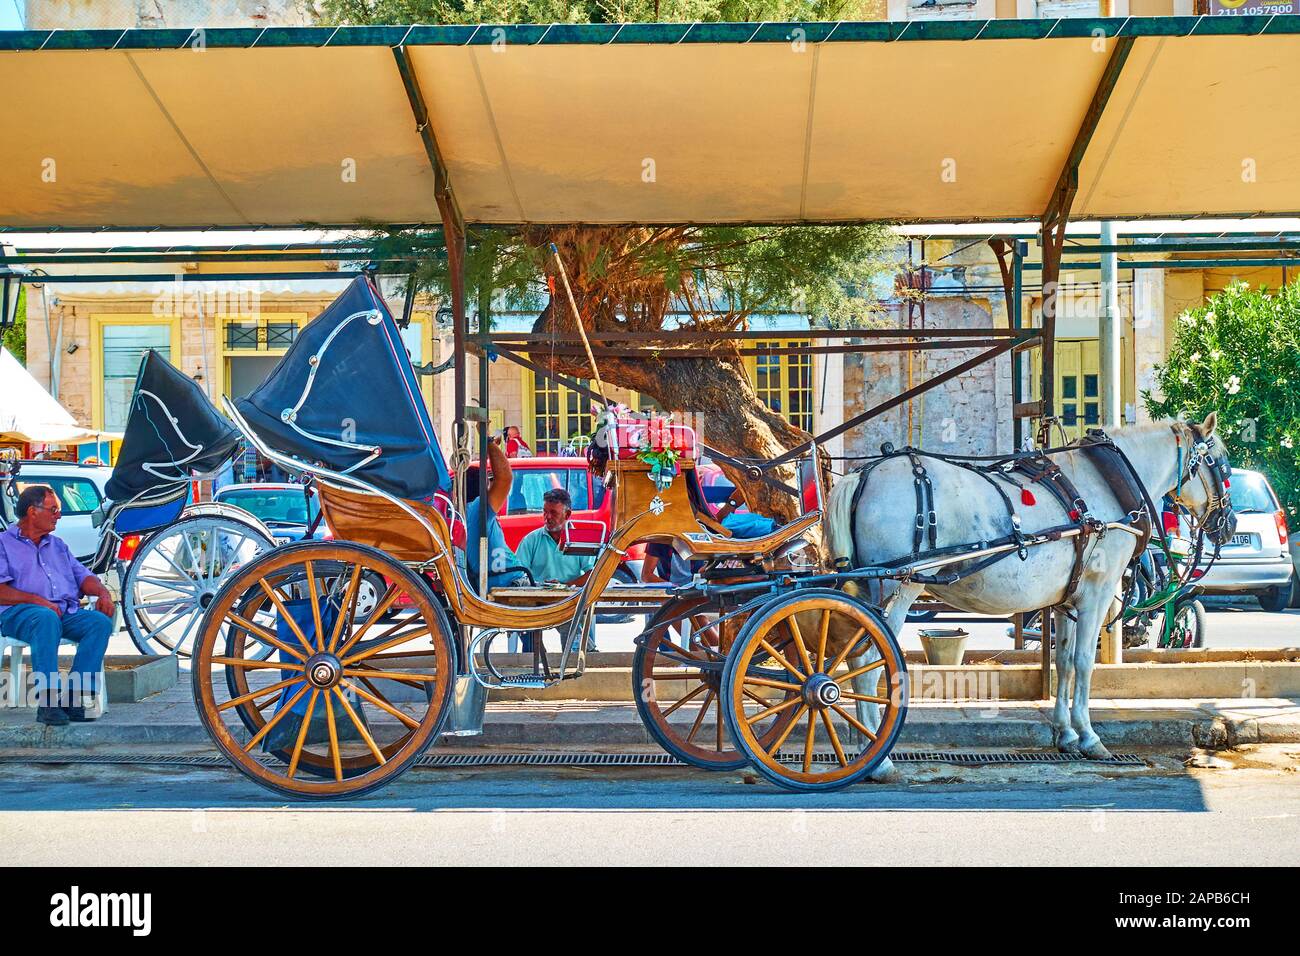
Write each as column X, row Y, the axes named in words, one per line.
column 138, row 516
column 706, row 545
column 372, row 520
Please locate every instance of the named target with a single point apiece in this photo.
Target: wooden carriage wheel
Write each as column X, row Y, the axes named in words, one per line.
column 824, row 746
column 257, row 606
column 676, row 700
column 347, row 702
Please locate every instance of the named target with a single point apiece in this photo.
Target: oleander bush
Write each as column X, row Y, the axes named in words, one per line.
column 1239, row 353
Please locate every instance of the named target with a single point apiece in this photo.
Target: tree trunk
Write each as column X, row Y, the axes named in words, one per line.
column 737, row 422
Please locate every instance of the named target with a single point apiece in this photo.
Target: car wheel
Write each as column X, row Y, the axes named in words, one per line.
column 1277, row 598
column 921, row 616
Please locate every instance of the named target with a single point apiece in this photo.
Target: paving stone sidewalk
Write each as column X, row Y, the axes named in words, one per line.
column 169, row 719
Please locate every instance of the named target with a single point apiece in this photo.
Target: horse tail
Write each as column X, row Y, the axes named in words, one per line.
column 839, row 515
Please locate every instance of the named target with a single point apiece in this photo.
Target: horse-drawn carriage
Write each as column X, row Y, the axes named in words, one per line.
column 789, row 669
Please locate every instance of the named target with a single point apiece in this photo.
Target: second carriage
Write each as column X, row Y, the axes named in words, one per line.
column 171, row 554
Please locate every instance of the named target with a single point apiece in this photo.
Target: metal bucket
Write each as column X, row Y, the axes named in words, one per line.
column 468, row 702
column 944, row 645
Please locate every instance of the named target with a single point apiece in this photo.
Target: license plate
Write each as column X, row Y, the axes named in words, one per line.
column 1243, row 540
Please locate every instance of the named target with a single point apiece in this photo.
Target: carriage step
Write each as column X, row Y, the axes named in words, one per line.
column 526, row 681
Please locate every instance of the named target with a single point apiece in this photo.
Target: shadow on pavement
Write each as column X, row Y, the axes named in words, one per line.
column 922, row 788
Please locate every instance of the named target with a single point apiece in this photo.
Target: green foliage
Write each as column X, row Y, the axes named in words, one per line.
column 499, row 265
column 1239, row 354
column 15, row 338
column 596, row 11
column 825, row 271
column 829, row 272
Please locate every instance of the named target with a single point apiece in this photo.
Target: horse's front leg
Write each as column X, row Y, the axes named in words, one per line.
column 1093, row 604
column 1067, row 741
column 897, row 599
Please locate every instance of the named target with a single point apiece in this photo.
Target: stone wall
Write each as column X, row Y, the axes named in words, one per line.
column 970, row 414
column 967, row 415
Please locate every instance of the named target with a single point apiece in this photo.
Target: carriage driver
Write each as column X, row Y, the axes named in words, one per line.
column 41, row 586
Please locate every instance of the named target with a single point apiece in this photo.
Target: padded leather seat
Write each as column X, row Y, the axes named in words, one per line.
column 140, row 516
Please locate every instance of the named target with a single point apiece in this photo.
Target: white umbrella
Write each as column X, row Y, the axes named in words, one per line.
column 29, row 413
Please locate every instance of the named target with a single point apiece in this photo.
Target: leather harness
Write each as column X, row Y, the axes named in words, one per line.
column 1038, row 468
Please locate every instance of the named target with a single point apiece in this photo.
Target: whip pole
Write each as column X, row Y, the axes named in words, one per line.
column 582, row 332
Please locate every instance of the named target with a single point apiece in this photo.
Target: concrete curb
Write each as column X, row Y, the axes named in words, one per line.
column 1121, row 725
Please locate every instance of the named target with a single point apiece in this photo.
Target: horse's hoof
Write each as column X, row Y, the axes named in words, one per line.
column 885, row 772
column 1067, row 741
column 1095, row 751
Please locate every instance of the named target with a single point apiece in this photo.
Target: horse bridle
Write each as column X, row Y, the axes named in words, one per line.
column 1217, row 519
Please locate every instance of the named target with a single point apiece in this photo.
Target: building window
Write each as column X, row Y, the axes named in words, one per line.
column 559, row 415
column 261, row 335
column 784, row 383
column 123, row 348
column 280, row 335
column 241, row 335
column 250, row 347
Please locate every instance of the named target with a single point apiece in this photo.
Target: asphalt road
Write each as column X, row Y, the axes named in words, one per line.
column 1245, row 813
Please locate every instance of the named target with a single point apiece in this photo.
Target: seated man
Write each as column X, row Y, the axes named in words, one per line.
column 540, row 552
column 502, row 563
column 40, row 588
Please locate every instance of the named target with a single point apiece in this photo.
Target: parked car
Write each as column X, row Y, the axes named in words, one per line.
column 1257, row 561
column 281, row 506
column 80, row 489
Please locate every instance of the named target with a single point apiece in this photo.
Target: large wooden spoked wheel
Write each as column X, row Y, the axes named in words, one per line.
column 347, row 702
column 680, row 701
column 824, row 746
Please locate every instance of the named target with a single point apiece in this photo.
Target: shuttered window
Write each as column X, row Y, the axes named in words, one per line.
column 123, row 347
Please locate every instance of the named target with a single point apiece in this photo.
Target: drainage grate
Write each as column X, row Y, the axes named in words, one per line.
column 975, row 758
column 451, row 761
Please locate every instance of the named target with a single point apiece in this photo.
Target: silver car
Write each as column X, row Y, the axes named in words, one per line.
column 80, row 490
column 1257, row 560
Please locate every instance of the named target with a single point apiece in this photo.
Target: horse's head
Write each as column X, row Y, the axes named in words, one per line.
column 1202, row 482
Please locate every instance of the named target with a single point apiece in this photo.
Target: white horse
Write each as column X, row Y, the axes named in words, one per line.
column 1167, row 456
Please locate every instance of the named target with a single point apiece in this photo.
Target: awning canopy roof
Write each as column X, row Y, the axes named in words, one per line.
column 654, row 123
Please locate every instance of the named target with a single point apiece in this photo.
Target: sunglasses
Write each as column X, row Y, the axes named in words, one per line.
column 56, row 510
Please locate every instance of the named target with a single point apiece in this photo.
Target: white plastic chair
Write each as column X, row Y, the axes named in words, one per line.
column 17, row 687
column 15, row 648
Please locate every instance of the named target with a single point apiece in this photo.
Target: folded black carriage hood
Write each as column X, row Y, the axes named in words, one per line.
column 172, row 432
column 344, row 387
